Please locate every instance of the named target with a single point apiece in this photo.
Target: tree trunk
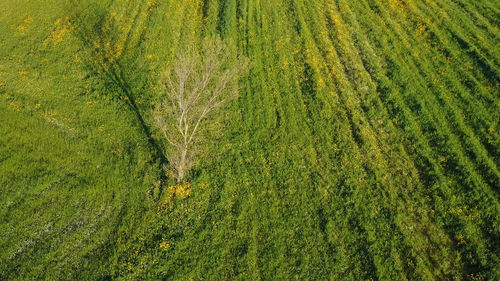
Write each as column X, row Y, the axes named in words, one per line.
column 181, row 167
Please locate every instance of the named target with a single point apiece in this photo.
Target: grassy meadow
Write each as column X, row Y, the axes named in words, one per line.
column 364, row 144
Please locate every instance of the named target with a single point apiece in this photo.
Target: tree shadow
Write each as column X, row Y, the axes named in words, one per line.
column 111, row 54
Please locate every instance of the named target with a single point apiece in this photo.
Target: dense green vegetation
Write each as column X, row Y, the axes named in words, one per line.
column 364, row 145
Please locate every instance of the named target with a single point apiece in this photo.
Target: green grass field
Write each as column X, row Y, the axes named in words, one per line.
column 364, row 145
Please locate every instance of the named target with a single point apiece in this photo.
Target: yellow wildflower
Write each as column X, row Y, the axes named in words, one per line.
column 15, row 106
column 164, row 245
column 171, row 189
column 203, row 185
column 169, row 174
column 441, row 159
column 21, row 28
column 28, row 20
column 183, row 190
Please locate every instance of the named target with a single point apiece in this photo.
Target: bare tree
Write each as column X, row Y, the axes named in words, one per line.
column 200, row 83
